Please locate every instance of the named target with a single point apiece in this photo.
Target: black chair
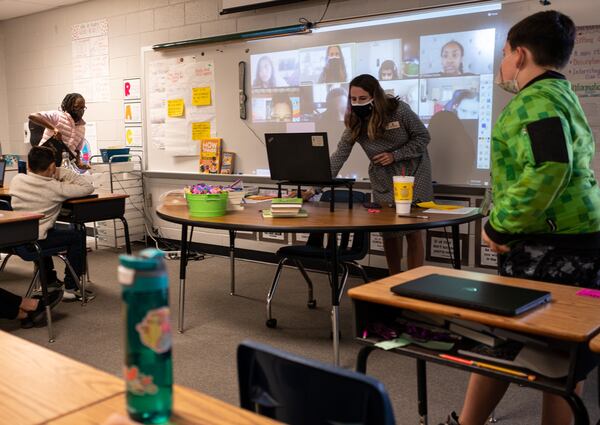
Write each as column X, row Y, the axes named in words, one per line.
column 27, row 253
column 296, row 390
column 352, row 248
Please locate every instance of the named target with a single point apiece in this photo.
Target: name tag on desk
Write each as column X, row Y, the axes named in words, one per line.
column 392, row 125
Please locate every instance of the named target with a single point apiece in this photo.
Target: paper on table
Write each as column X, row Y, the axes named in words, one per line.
column 435, row 206
column 392, row 343
column 458, row 211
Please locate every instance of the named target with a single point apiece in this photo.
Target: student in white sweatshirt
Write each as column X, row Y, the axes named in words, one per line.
column 43, row 191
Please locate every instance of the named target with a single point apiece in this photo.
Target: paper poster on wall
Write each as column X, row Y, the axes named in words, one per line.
column 175, row 108
column 440, row 247
column 90, row 60
column 376, row 244
column 276, row 237
column 132, row 112
column 201, row 96
column 200, row 130
column 132, row 88
column 133, row 135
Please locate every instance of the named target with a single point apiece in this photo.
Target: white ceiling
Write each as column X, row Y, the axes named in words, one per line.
column 14, row 8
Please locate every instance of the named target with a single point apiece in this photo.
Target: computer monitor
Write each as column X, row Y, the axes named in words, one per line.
column 2, row 170
column 299, row 157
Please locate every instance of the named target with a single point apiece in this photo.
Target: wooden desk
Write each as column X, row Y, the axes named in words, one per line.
column 17, row 228
column 4, row 192
column 568, row 321
column 320, row 219
column 37, row 384
column 190, row 407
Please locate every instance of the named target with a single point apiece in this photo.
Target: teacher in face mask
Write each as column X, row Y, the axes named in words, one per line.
column 395, row 141
column 64, row 128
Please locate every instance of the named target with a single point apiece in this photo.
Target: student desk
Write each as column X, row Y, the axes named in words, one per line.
column 41, row 386
column 19, row 228
column 4, row 193
column 569, row 321
column 189, row 407
column 595, row 344
column 320, row 219
column 38, row 384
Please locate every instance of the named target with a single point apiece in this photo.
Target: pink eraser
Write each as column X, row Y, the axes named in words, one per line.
column 589, row 293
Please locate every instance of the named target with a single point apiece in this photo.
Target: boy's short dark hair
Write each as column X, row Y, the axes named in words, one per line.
column 549, row 35
column 40, row 158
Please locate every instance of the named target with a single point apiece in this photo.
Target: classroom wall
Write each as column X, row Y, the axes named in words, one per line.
column 35, row 50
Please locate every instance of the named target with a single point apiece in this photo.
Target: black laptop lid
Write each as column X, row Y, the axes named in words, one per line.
column 476, row 295
column 2, row 170
column 298, row 157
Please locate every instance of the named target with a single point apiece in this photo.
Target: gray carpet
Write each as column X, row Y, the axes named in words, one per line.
column 204, row 356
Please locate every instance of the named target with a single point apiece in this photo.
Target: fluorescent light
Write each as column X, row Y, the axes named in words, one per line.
column 417, row 16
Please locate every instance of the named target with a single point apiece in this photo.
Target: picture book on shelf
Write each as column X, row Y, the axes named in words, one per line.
column 227, row 163
column 210, row 156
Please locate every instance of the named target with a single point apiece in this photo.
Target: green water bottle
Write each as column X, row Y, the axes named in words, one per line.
column 148, row 364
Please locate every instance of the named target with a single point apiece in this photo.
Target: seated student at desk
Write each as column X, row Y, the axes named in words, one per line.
column 545, row 222
column 43, row 191
column 28, row 310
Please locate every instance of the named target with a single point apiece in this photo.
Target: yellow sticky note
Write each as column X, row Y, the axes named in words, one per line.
column 200, row 130
column 175, row 107
column 201, row 96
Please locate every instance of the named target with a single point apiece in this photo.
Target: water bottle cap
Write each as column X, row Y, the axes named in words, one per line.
column 148, row 259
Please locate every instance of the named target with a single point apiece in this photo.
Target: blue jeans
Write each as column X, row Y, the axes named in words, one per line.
column 74, row 243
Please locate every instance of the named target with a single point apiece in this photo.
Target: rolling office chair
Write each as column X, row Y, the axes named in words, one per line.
column 296, row 390
column 352, row 248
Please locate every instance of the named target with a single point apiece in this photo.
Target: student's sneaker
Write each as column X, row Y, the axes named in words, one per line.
column 74, row 294
column 452, row 419
column 39, row 314
column 54, row 286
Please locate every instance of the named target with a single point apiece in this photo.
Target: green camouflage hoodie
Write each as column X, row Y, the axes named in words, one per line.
column 542, row 181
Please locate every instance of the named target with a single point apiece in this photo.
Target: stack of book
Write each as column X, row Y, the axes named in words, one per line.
column 285, row 207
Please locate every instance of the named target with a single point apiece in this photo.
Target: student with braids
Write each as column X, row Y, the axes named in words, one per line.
column 64, row 129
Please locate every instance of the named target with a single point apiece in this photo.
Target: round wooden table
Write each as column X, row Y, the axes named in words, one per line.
column 320, row 219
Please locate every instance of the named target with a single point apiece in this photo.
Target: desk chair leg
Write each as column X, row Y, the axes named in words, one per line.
column 345, row 274
column 75, row 278
column 422, row 390
column 126, row 232
column 45, row 300
column 4, row 262
column 335, row 296
column 232, row 261
column 34, row 281
column 363, row 356
column 362, row 271
column 579, row 410
column 311, row 303
column 182, row 267
column 456, row 246
column 271, row 322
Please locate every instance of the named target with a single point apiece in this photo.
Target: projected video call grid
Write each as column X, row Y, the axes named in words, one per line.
column 450, row 72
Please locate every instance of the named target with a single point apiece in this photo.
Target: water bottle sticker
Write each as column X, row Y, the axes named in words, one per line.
column 138, row 383
column 125, row 275
column 155, row 330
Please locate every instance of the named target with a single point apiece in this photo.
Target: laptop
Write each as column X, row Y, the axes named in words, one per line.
column 300, row 158
column 2, row 170
column 473, row 294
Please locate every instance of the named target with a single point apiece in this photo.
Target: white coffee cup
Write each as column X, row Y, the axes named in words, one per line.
column 403, row 193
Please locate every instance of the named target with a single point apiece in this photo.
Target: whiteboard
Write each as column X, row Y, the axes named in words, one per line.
column 452, row 148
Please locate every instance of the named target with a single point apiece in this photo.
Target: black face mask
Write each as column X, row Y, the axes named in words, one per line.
column 363, row 111
column 76, row 115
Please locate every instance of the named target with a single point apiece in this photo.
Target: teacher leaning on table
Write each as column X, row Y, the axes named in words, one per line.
column 395, row 140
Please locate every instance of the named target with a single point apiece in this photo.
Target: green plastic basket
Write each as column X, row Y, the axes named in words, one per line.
column 209, row 205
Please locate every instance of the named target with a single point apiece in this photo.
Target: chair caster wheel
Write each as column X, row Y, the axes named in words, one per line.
column 271, row 323
column 312, row 304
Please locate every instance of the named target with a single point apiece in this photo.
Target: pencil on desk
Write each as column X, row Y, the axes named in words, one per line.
column 504, row 370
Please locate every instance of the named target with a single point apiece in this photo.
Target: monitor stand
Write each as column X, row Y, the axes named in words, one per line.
column 332, row 184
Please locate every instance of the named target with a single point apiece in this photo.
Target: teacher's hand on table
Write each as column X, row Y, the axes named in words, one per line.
column 499, row 249
column 385, row 158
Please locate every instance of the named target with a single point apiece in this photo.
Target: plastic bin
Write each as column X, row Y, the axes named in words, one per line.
column 209, row 205
column 108, row 153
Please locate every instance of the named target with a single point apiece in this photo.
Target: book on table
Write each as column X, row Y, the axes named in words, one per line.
column 286, row 207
